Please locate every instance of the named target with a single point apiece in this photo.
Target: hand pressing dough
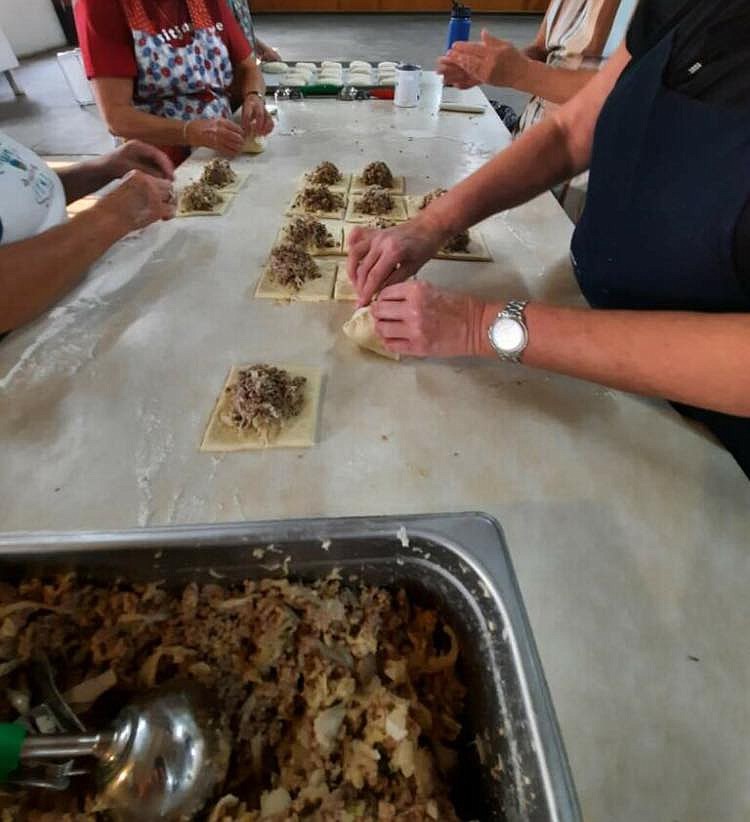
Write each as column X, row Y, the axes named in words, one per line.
column 313, row 291
column 398, row 187
column 219, row 209
column 349, row 227
column 361, row 329
column 398, row 212
column 344, row 290
column 337, row 232
column 274, row 67
column 297, row 433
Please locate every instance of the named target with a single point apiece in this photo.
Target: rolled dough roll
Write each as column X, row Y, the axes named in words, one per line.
column 361, row 329
column 275, row 67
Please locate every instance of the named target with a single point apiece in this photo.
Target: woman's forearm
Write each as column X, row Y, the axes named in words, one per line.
column 128, row 122
column 692, row 358
column 35, row 273
column 551, row 152
column 84, row 178
column 552, row 83
column 250, row 78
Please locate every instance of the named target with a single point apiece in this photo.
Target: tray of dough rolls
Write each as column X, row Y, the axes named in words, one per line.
column 329, row 76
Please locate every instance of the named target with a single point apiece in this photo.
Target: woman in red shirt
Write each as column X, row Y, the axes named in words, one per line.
column 162, row 71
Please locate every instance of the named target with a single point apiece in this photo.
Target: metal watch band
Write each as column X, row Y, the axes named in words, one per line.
column 514, row 311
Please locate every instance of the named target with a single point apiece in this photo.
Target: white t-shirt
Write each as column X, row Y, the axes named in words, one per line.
column 32, row 198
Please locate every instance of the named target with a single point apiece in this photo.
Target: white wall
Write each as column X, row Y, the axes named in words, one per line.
column 30, row 25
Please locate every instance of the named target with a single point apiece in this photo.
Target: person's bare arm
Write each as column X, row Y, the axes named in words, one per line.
column 555, row 150
column 255, row 118
column 266, row 54
column 692, row 358
column 35, row 273
column 557, row 85
column 84, row 178
column 114, row 96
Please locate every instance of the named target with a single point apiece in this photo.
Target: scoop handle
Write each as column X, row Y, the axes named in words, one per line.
column 64, row 746
column 12, row 738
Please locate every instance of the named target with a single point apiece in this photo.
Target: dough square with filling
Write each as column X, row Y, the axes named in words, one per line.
column 398, row 187
column 398, row 212
column 342, row 187
column 344, row 290
column 312, row 291
column 338, row 214
column 219, row 209
column 336, row 230
column 476, row 252
column 299, row 432
column 241, row 176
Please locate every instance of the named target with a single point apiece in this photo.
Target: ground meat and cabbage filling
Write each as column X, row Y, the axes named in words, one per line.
column 375, row 200
column 291, row 266
column 262, row 399
column 325, row 174
column 457, row 244
column 200, row 197
column 218, row 173
column 377, row 174
column 319, row 198
column 307, row 231
column 341, row 702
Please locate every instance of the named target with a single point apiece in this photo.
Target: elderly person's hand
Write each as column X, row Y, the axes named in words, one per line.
column 266, row 54
column 380, row 258
column 256, row 121
column 140, row 200
column 491, row 61
column 419, row 320
column 217, row 133
column 135, row 155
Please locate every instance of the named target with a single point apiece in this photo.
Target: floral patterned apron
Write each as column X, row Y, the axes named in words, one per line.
column 183, row 82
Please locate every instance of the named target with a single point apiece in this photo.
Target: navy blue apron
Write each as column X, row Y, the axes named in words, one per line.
column 670, row 177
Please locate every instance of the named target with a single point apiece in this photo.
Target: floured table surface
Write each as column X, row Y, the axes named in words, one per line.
column 629, row 528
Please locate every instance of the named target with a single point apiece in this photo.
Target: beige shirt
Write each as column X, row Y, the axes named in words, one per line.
column 579, row 34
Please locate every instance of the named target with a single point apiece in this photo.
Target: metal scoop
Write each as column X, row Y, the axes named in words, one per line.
column 162, row 759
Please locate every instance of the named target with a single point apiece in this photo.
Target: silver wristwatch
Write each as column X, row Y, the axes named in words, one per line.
column 508, row 334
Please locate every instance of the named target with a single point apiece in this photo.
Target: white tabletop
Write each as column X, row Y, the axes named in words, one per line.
column 629, row 528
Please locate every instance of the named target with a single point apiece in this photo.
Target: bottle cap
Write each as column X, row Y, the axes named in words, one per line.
column 460, row 10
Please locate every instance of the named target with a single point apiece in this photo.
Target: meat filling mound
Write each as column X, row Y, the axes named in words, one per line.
column 307, row 231
column 218, row 173
column 325, row 174
column 341, row 701
column 200, row 197
column 319, row 198
column 263, row 399
column 291, row 266
column 377, row 174
column 375, row 200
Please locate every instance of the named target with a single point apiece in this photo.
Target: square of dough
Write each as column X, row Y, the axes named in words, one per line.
column 398, row 187
column 326, row 215
column 344, row 291
column 398, row 212
column 216, row 211
column 298, row 433
column 232, row 188
column 313, row 291
column 342, row 187
column 476, row 252
column 337, row 232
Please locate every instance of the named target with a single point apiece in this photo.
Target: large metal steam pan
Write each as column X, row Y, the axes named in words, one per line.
column 513, row 764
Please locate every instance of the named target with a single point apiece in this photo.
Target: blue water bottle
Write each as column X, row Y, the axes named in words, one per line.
column 460, row 25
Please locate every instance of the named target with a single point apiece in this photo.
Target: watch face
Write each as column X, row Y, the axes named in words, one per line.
column 508, row 335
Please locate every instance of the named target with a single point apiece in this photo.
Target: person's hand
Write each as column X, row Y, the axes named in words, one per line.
column 140, row 200
column 492, row 61
column 256, row 121
column 380, row 258
column 266, row 54
column 419, row 320
column 135, row 155
column 218, row 133
column 453, row 74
